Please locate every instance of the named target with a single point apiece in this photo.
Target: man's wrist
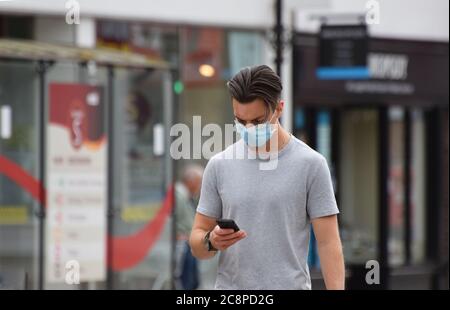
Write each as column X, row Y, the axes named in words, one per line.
column 207, row 242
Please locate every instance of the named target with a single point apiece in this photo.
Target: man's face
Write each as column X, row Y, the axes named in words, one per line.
column 255, row 112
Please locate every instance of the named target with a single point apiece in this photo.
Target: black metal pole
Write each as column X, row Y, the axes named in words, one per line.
column 383, row 215
column 278, row 31
column 110, row 190
column 407, row 185
column 434, row 160
column 175, row 99
column 41, row 70
column 172, row 180
column 174, row 120
column 173, row 248
column 336, row 150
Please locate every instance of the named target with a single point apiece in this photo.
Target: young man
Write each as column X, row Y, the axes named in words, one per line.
column 273, row 207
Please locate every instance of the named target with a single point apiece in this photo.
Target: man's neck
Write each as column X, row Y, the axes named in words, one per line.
column 279, row 140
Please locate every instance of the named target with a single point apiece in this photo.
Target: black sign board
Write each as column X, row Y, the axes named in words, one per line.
column 343, row 52
column 402, row 72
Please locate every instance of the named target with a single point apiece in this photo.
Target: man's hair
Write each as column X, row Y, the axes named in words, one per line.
column 258, row 82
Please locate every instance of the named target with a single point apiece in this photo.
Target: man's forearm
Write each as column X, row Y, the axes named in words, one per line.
column 332, row 264
column 197, row 245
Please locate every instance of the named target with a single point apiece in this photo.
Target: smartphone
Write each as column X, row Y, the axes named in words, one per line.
column 227, row 223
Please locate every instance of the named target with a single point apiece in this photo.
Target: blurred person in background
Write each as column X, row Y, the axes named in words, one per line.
column 274, row 208
column 187, row 193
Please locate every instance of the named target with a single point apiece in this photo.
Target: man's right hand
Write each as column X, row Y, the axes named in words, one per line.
column 222, row 239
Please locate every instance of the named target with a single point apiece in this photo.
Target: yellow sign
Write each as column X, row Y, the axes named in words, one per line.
column 139, row 213
column 13, row 215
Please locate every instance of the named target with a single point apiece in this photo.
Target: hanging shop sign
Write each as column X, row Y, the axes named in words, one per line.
column 343, row 52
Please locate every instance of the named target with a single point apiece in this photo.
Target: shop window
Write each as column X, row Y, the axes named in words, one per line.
column 139, row 183
column 358, row 184
column 18, row 162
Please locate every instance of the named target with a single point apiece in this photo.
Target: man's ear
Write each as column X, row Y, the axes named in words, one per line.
column 280, row 107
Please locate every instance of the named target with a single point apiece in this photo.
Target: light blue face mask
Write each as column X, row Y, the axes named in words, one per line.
column 257, row 135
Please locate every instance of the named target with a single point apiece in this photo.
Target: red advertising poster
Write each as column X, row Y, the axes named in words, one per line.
column 77, row 184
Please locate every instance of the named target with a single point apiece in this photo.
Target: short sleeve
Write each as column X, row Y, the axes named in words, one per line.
column 320, row 198
column 210, row 203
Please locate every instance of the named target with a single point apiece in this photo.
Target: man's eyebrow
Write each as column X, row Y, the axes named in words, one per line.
column 255, row 119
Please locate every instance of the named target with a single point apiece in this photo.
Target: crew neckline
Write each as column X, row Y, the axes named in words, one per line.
column 279, row 153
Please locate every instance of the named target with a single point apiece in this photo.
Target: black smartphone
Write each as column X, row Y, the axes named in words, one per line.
column 227, row 223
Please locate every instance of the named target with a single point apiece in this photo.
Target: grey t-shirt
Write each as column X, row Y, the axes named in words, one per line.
column 274, row 207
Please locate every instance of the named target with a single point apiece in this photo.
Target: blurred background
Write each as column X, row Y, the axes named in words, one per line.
column 90, row 88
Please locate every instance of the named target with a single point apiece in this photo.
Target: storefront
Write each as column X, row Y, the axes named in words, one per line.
column 138, row 222
column 386, row 142
column 69, row 122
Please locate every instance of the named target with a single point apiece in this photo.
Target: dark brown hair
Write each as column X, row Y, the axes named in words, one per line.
column 258, row 82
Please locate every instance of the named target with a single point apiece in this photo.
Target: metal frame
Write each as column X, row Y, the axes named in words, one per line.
column 41, row 70
column 407, row 161
column 168, row 115
column 278, row 32
column 434, row 184
column 110, row 190
column 42, row 67
column 383, row 192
